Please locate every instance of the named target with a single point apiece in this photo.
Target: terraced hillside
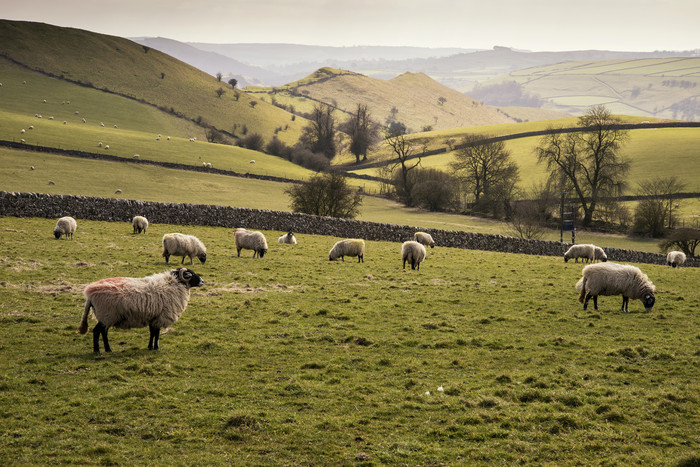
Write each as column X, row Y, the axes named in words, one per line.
column 124, row 67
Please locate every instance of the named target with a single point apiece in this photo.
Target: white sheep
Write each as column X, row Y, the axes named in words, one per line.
column 348, row 247
column 22, row 131
column 251, row 240
column 106, row 146
column 156, row 301
column 252, row 161
column 22, row 140
column 102, row 124
column 118, row 191
column 177, row 244
column 209, row 165
column 599, row 254
column 31, row 127
column 675, row 258
column 414, row 253
column 51, row 182
column 136, row 156
column 99, row 145
column 424, row 238
column 615, row 279
column 140, row 224
column 65, row 226
column 84, row 121
column 288, row 238
column 115, row 126
column 584, row 251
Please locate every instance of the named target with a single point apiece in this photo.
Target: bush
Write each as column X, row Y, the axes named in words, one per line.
column 649, row 218
column 325, row 194
column 253, row 141
column 685, row 240
column 433, row 189
column 310, row 160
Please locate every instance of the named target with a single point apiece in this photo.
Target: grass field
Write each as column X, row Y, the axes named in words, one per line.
column 293, row 359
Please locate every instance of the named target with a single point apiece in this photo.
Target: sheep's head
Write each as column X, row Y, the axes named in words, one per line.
column 202, row 257
column 188, row 277
column 261, row 252
column 57, row 234
column 648, row 301
column 566, row 259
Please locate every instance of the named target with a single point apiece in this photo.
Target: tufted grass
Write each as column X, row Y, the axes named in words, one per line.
column 294, row 360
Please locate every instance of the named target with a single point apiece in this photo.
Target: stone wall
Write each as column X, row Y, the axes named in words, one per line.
column 123, row 210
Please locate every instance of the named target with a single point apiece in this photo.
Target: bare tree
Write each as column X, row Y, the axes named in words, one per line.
column 363, row 132
column 403, row 149
column 319, row 135
column 589, row 160
column 665, row 190
column 219, row 76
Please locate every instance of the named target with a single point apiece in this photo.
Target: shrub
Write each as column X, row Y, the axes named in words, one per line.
column 253, row 141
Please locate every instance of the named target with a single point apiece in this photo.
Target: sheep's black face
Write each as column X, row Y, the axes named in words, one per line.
column 202, row 257
column 604, row 260
column 261, row 252
column 57, row 234
column 189, row 277
column 566, row 259
column 648, row 301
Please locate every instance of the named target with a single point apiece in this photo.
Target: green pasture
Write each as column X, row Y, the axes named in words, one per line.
column 169, row 185
column 477, row 359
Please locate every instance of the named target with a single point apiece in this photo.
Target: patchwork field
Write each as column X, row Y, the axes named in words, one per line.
column 478, row 358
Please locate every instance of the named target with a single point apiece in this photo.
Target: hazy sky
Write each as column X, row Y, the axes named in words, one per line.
column 635, row 25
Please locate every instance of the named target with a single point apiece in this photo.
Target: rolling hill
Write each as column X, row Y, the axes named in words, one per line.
column 121, row 66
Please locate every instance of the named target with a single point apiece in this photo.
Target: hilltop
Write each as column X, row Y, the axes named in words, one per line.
column 121, row 66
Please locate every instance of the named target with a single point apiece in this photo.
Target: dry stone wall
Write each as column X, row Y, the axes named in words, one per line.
column 123, row 210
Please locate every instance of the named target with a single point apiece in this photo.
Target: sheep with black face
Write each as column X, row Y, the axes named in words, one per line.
column 615, row 279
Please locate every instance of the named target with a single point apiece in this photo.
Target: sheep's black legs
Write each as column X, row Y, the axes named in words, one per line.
column 155, row 336
column 625, row 304
column 595, row 301
column 100, row 329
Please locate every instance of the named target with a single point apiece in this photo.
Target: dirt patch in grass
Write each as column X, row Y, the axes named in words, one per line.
column 20, row 264
column 235, row 287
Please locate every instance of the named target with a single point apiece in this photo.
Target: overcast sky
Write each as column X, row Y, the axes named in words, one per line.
column 538, row 25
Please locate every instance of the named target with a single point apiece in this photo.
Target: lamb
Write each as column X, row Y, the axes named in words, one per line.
column 424, row 238
column 614, row 279
column 675, row 258
column 348, row 247
column 65, row 226
column 251, row 240
column 584, row 251
column 177, row 244
column 414, row 253
column 140, row 224
column 288, row 238
column 156, row 301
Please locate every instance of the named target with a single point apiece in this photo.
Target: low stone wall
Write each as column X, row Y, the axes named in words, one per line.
column 123, row 210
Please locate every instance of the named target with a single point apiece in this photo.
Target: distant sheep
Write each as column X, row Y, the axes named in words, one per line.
column 51, row 182
column 252, row 161
column 140, row 224
column 599, row 254
column 156, row 301
column 615, row 279
column 251, row 240
column 348, row 247
column 424, row 238
column 584, row 251
column 106, row 146
column 31, row 127
column 414, row 253
column 177, row 244
column 84, row 121
column 136, row 156
column 288, row 238
column 65, row 226
column 675, row 258
column 22, row 131
column 118, row 191
column 102, row 124
column 99, row 145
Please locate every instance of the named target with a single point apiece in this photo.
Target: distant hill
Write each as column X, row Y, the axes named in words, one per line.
column 124, row 67
column 413, row 99
column 662, row 88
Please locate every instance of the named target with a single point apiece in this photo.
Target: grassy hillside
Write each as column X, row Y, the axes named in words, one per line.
column 415, row 96
column 125, row 67
column 664, row 88
column 297, row 360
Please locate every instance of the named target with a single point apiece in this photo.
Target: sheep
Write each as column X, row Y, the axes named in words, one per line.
column 599, row 254
column 22, row 131
column 251, row 240
column 99, row 145
column 675, row 258
column 31, row 127
column 84, row 121
column 348, row 247
column 118, row 191
column 51, row 182
column 414, row 253
column 65, row 122
column 584, row 251
column 177, row 244
column 252, row 161
column 208, row 165
column 156, row 301
column 102, row 124
column 140, row 224
column 288, row 238
column 614, row 279
column 424, row 238
column 115, row 126
column 22, row 141
column 65, row 226
column 106, row 146
column 136, row 156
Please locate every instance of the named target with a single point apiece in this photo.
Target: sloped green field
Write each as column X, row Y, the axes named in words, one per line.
column 478, row 358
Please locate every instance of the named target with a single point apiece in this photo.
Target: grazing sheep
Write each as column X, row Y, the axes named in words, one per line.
column 22, row 140
column 675, row 258
column 31, row 167
column 65, row 122
column 584, row 251
column 140, row 224
column 99, row 145
column 252, row 161
column 424, row 238
column 106, row 146
column 177, row 244
column 156, row 301
column 22, row 131
column 118, row 191
column 31, row 127
column 251, row 240
column 51, row 182
column 348, row 247
column 84, row 121
column 615, row 279
column 102, row 124
column 414, row 253
column 136, row 156
column 209, row 165
column 288, row 238
column 115, row 126
column 599, row 254
column 65, row 226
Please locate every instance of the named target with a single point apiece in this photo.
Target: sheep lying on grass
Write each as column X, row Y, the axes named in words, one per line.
column 177, row 244
column 675, row 258
column 414, row 253
column 424, row 238
column 65, row 226
column 288, row 238
column 348, row 247
column 251, row 240
column 140, row 224
column 156, row 301
column 615, row 279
